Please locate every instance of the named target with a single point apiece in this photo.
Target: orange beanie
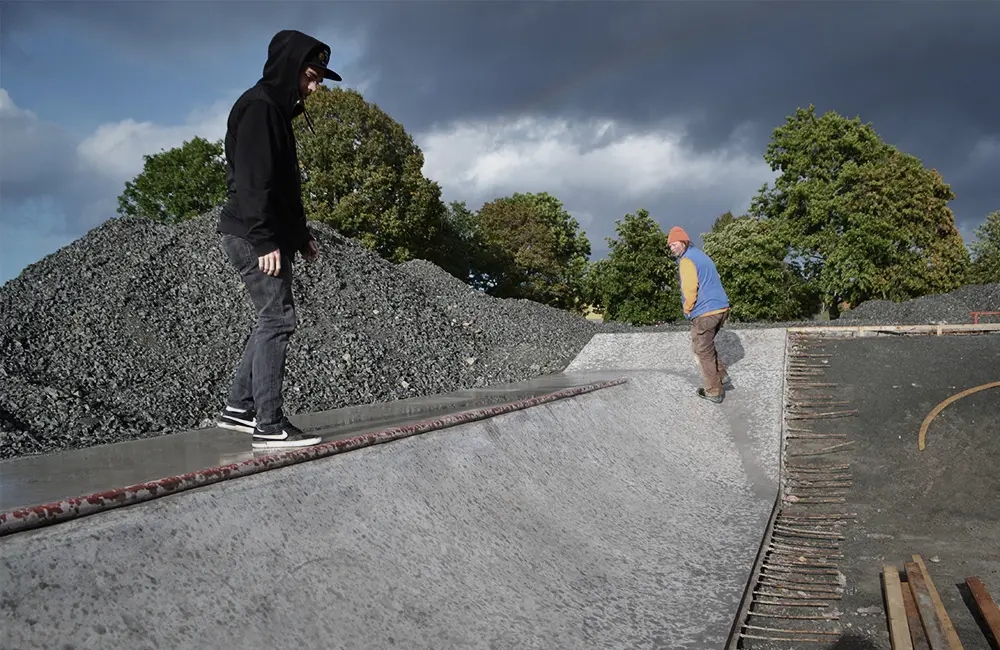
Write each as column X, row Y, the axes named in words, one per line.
column 677, row 234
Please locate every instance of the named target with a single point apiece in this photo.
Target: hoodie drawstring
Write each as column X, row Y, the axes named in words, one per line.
column 309, row 121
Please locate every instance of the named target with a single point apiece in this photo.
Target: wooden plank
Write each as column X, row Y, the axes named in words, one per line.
column 917, row 635
column 925, row 606
column 899, row 633
column 946, row 625
column 987, row 607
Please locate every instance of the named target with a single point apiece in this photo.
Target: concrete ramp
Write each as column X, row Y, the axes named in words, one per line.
column 627, row 517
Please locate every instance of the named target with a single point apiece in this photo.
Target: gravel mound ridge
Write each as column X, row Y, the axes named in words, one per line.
column 939, row 309
column 134, row 330
column 522, row 327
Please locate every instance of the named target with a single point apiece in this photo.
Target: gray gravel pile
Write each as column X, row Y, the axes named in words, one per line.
column 946, row 308
column 134, row 331
column 523, row 326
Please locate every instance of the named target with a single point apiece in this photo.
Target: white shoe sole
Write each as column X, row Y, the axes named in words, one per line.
column 259, row 443
column 242, row 428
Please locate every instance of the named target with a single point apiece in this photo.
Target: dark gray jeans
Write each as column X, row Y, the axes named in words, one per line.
column 261, row 373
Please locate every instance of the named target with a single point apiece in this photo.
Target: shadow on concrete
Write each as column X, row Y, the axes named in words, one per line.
column 730, row 347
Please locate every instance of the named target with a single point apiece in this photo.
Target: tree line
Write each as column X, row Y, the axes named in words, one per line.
column 849, row 218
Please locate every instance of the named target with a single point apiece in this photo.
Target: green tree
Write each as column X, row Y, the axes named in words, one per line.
column 898, row 238
column 861, row 218
column 362, row 175
column 461, row 251
column 637, row 283
column 177, row 184
column 723, row 220
column 985, row 268
column 751, row 261
column 530, row 247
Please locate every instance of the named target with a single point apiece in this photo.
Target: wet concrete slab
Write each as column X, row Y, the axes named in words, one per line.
column 44, row 479
column 623, row 517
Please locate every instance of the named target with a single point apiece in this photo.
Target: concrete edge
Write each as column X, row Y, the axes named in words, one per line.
column 742, row 613
column 34, row 517
column 897, row 330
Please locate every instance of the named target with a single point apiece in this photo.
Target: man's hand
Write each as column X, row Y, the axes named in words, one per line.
column 270, row 264
column 311, row 250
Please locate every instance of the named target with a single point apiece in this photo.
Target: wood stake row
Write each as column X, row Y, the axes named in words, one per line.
column 795, row 596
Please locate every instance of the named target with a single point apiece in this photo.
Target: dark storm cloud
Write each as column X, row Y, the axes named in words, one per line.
column 725, row 61
column 160, row 29
column 922, row 72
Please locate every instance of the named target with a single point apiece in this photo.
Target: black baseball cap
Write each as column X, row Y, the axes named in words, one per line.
column 320, row 58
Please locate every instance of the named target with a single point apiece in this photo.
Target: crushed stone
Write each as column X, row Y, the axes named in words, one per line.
column 135, row 329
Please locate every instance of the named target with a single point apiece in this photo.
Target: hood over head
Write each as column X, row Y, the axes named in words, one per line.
column 287, row 54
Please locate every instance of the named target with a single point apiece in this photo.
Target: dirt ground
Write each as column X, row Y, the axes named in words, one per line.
column 942, row 503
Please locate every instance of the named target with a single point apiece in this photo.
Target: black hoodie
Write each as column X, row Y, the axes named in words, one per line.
column 264, row 187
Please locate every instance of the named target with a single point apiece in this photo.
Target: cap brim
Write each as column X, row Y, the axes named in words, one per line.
column 330, row 74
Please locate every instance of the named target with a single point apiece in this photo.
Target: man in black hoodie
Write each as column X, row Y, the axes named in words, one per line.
column 263, row 225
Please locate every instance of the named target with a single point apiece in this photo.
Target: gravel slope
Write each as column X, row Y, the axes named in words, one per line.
column 134, row 331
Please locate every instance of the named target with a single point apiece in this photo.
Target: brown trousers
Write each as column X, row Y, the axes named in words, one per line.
column 703, row 332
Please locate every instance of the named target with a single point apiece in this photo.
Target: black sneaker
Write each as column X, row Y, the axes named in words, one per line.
column 282, row 436
column 243, row 421
column 711, row 398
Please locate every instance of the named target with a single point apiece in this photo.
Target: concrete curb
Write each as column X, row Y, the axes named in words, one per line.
column 24, row 519
column 895, row 330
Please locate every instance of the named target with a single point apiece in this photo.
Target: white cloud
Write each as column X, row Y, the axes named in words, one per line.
column 55, row 187
column 556, row 155
column 33, row 147
column 599, row 169
column 33, row 151
column 90, row 172
column 117, row 149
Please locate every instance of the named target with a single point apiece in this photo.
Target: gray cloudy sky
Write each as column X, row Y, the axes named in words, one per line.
column 612, row 106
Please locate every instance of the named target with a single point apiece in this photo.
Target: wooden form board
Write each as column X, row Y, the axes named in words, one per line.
column 916, row 615
column 946, row 625
column 987, row 607
column 899, row 631
column 925, row 605
column 913, row 620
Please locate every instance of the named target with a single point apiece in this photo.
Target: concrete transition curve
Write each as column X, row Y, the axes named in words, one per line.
column 623, row 517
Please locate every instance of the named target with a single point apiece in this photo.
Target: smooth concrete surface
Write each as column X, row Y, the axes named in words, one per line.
column 746, row 352
column 46, row 479
column 755, row 360
column 628, row 517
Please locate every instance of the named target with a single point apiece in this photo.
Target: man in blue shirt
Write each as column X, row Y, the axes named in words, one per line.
column 706, row 305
